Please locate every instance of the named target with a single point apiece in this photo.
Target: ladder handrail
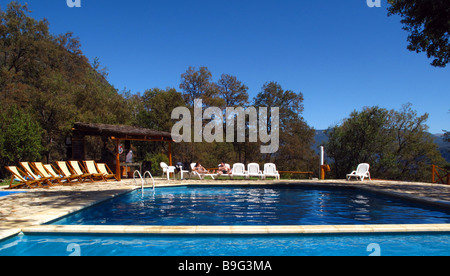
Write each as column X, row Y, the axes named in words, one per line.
column 153, row 180
column 140, row 176
column 143, row 179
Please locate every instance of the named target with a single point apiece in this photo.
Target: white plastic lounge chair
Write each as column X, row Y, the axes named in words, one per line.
column 362, row 171
column 167, row 170
column 239, row 170
column 200, row 175
column 253, row 170
column 227, row 166
column 270, row 170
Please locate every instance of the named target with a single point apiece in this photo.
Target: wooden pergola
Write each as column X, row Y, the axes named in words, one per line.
column 120, row 133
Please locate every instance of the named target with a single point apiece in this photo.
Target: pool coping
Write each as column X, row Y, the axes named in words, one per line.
column 372, row 186
column 233, row 229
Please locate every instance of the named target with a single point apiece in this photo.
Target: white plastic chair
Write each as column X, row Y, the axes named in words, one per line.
column 270, row 170
column 239, row 170
column 362, row 171
column 167, row 170
column 182, row 171
column 253, row 170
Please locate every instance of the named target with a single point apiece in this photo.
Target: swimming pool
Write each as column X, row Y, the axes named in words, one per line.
column 429, row 244
column 240, row 206
column 254, row 205
column 7, row 193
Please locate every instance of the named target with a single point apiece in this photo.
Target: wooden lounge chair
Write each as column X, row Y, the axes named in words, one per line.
column 39, row 167
column 22, row 177
column 92, row 169
column 67, row 172
column 106, row 171
column 75, row 165
column 65, row 180
column 30, row 172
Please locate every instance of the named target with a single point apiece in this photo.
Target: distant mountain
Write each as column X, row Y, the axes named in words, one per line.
column 444, row 147
column 319, row 139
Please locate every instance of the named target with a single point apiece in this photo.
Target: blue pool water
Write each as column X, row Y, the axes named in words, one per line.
column 431, row 244
column 5, row 193
column 281, row 205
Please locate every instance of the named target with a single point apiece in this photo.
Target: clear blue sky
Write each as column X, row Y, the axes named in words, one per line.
column 341, row 54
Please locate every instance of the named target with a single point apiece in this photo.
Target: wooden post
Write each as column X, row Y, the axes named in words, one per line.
column 118, row 174
column 170, row 153
column 432, row 173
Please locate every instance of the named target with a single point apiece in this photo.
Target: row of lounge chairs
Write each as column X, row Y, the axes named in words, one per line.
column 238, row 169
column 39, row 175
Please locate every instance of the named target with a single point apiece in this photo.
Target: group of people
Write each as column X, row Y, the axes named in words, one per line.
column 223, row 169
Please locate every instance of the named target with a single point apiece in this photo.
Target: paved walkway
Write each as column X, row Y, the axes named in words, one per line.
column 38, row 206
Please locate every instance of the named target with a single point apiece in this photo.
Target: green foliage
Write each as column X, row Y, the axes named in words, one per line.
column 20, row 137
column 48, row 76
column 394, row 143
column 157, row 108
column 232, row 91
column 296, row 137
column 198, row 84
column 428, row 24
column 155, row 160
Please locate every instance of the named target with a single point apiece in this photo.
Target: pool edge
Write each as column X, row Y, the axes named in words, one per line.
column 279, row 229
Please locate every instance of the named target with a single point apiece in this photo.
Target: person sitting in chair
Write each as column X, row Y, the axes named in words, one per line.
column 224, row 169
column 200, row 169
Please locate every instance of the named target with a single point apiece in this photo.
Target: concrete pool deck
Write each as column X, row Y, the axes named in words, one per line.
column 26, row 212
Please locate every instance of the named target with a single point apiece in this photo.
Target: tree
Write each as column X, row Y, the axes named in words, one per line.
column 48, row 77
column 158, row 105
column 428, row 24
column 361, row 138
column 198, row 84
column 20, row 137
column 232, row 91
column 395, row 143
column 155, row 113
column 296, row 137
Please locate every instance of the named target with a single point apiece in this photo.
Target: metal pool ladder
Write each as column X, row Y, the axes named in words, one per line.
column 143, row 179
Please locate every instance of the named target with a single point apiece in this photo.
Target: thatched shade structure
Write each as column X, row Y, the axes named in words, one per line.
column 122, row 133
